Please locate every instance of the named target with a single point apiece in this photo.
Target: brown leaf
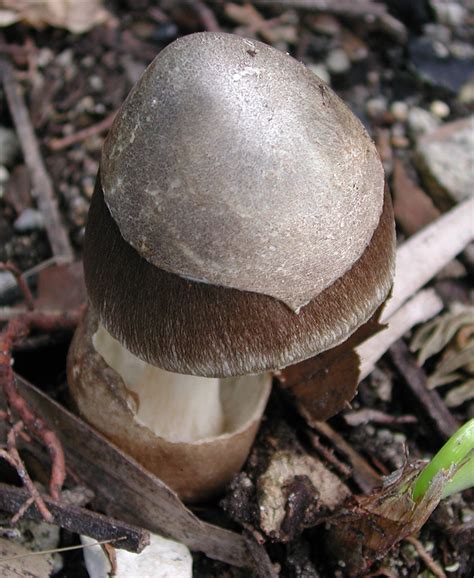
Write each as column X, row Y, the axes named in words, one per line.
column 77, row 17
column 324, row 384
column 369, row 526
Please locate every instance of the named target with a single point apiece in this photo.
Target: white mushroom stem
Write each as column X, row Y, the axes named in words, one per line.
column 418, row 260
column 428, row 251
column 176, row 407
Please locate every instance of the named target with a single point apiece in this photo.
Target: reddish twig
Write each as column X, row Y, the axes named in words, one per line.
column 12, row 456
column 207, row 16
column 328, row 455
column 427, row 559
column 22, row 284
column 17, row 329
column 57, row 144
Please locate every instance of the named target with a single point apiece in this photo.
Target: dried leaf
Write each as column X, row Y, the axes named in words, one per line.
column 127, row 491
column 369, row 526
column 452, row 335
column 323, row 385
column 77, row 17
column 432, row 337
column 460, row 394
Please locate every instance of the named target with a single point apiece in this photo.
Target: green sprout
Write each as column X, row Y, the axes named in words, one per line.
column 456, row 456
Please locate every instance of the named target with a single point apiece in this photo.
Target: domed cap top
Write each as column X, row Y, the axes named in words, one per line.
column 230, row 163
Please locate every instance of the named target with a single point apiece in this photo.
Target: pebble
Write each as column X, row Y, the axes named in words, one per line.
column 321, row 71
column 9, row 146
column 444, row 158
column 440, row 109
column 29, row 220
column 449, row 13
column 338, row 62
column 161, row 559
column 421, row 121
column 376, row 107
column 4, row 176
column 399, row 110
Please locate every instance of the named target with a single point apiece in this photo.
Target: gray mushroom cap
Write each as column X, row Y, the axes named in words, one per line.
column 232, row 164
column 235, row 190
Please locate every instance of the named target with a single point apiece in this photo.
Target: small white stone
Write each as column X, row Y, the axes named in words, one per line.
column 466, row 94
column 421, row 121
column 163, row 558
column 337, row 61
column 440, row 109
column 29, row 220
column 399, row 110
column 376, row 106
column 321, row 71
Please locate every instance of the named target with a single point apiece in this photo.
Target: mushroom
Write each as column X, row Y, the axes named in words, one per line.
column 239, row 225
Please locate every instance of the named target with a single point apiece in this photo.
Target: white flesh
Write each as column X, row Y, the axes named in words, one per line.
column 177, row 407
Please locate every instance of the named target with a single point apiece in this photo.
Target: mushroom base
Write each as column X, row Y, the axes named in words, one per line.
column 197, row 460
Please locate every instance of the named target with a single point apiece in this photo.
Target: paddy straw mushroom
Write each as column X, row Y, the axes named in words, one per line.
column 239, row 225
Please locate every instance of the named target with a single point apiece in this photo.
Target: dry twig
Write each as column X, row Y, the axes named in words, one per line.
column 77, row 519
column 57, row 144
column 22, row 284
column 415, row 379
column 42, row 186
column 12, row 456
column 427, row 559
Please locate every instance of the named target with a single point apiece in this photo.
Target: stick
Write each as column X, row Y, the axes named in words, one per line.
column 427, row 252
column 363, row 473
column 57, row 144
column 415, row 379
column 420, row 308
column 77, row 519
column 42, row 189
column 366, row 9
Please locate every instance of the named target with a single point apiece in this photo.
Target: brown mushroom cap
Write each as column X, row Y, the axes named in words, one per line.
column 232, row 164
column 201, row 329
column 236, row 187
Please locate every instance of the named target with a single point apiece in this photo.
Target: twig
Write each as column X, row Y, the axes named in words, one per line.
column 22, row 284
column 17, row 329
column 206, row 16
column 57, row 144
column 42, row 189
column 423, row 306
column 328, row 455
column 427, row 559
column 364, row 475
column 368, row 415
column 427, row 252
column 365, row 9
column 13, row 458
column 415, row 379
column 77, row 519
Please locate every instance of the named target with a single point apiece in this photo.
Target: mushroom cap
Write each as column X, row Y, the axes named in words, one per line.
column 232, row 164
column 235, row 190
column 197, row 328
